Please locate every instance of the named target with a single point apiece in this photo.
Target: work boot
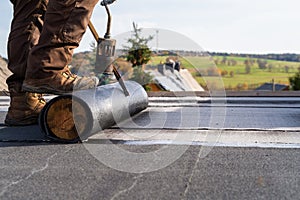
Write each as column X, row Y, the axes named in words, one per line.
column 60, row 83
column 24, row 108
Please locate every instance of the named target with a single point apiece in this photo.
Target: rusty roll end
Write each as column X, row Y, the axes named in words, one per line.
column 66, row 118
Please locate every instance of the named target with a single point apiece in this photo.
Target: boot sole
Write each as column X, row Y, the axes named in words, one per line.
column 23, row 122
column 43, row 90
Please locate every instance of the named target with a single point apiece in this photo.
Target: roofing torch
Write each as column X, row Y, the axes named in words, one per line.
column 106, row 48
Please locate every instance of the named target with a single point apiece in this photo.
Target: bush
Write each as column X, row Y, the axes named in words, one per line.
column 248, row 69
column 224, row 72
column 212, row 71
column 141, row 77
column 295, row 81
column 262, row 64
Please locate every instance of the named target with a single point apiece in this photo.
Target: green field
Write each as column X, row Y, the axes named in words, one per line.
column 235, row 77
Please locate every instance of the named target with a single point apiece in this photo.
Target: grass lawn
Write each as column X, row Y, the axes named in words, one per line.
column 240, row 80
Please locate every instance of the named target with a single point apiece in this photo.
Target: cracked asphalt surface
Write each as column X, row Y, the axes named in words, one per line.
column 41, row 170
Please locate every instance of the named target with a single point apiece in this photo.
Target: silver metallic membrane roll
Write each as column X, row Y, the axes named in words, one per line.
column 74, row 117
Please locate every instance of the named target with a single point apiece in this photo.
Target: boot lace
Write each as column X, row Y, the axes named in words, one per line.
column 40, row 98
column 69, row 75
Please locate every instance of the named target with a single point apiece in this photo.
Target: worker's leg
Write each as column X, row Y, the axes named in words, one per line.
column 65, row 23
column 25, row 31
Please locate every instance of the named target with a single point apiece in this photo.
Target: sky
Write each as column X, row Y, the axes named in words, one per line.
column 234, row 26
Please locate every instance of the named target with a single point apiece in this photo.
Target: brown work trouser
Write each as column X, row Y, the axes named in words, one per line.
column 43, row 35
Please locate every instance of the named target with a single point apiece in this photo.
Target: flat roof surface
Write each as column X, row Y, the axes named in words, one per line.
column 187, row 148
column 190, row 116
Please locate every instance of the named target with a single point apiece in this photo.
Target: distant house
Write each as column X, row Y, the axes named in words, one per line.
column 273, row 87
column 167, row 78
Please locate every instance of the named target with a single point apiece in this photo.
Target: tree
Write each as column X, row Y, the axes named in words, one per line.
column 247, row 66
column 92, row 55
column 286, row 69
column 224, row 72
column 216, row 61
column 138, row 52
column 142, row 77
column 224, row 60
column 83, row 63
column 295, row 81
column 270, row 67
column 212, row 71
column 233, row 62
column 262, row 64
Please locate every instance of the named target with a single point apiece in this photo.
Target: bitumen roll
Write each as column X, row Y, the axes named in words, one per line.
column 74, row 117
